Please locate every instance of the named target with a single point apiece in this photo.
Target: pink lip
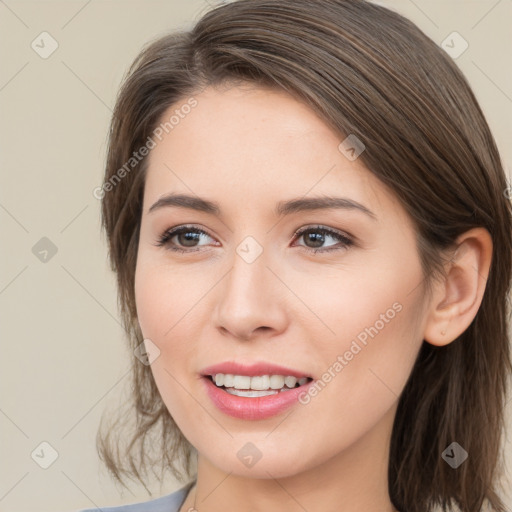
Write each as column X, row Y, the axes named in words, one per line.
column 257, row 408
column 252, row 370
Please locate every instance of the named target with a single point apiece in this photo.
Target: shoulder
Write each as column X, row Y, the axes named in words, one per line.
column 170, row 503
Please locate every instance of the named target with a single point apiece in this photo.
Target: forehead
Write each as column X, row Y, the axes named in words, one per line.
column 256, row 144
column 247, row 120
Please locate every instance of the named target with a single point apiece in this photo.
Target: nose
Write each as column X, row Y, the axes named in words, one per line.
column 251, row 301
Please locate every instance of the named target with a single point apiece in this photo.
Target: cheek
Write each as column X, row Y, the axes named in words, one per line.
column 168, row 306
column 377, row 325
column 356, row 301
column 152, row 306
column 162, row 298
column 161, row 312
column 371, row 316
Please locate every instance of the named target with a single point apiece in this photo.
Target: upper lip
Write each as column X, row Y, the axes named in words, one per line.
column 252, row 369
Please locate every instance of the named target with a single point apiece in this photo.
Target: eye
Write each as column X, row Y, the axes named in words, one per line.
column 318, row 235
column 186, row 236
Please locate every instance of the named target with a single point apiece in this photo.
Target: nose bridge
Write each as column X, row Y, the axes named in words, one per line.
column 248, row 297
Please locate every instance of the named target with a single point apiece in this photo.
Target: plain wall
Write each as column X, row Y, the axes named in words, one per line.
column 63, row 353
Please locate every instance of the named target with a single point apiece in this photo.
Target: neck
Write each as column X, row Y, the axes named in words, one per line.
column 350, row 481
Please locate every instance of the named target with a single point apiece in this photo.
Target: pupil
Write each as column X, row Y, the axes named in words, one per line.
column 189, row 237
column 316, row 238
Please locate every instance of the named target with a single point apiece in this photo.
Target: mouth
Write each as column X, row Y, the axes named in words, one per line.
column 257, row 385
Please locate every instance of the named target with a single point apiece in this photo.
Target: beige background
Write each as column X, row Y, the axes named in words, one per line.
column 63, row 356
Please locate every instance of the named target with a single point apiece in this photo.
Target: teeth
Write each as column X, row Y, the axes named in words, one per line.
column 251, row 393
column 290, row 381
column 229, row 380
column 258, row 383
column 276, row 381
column 242, row 382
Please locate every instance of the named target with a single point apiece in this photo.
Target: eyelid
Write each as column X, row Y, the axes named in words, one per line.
column 321, row 227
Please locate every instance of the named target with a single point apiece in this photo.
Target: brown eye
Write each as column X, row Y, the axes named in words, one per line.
column 315, row 237
column 186, row 237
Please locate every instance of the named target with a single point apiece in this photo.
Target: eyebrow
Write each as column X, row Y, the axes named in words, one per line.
column 282, row 208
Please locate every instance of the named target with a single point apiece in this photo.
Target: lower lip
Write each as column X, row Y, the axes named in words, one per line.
column 256, row 408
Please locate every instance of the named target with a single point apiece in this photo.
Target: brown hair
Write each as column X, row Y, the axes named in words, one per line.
column 370, row 72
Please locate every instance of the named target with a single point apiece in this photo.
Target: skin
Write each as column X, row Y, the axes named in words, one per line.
column 247, row 148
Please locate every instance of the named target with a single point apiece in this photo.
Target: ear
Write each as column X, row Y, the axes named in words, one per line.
column 457, row 298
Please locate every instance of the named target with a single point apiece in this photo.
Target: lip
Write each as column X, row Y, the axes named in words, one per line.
column 252, row 370
column 256, row 408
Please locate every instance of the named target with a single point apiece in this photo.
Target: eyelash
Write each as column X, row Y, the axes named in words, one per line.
column 165, row 238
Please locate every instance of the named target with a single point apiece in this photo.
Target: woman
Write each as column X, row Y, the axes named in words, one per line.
column 308, row 219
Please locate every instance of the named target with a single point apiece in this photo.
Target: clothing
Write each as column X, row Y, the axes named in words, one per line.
column 170, row 503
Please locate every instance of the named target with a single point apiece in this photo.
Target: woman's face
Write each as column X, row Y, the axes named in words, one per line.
column 340, row 303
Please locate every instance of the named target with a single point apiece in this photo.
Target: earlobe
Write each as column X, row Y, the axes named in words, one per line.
column 457, row 297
